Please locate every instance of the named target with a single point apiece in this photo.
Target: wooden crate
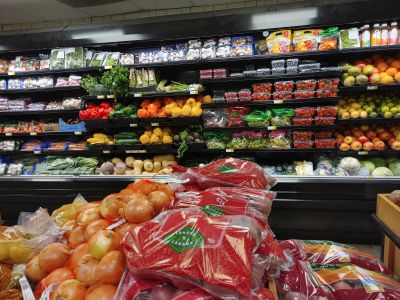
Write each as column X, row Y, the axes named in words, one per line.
column 389, row 214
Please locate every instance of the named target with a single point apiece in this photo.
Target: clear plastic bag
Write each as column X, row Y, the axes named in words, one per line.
column 279, row 140
column 188, row 246
column 215, row 118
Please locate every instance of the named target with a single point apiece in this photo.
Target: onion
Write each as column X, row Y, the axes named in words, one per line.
column 103, row 242
column 71, row 289
column 77, row 255
column 33, row 271
column 76, row 237
column 164, row 291
column 85, row 270
column 88, row 214
column 110, row 205
column 57, row 276
column 110, row 268
column 159, row 199
column 53, row 256
column 122, row 230
column 101, row 292
column 138, row 211
column 96, row 226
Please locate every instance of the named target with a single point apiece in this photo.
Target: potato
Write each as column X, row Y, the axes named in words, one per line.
column 395, row 197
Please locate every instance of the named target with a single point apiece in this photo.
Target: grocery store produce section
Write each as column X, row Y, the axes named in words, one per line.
column 180, row 240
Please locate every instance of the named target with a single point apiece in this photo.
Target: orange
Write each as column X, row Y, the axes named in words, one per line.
column 395, row 64
column 382, row 74
column 397, row 76
column 391, row 71
column 382, row 66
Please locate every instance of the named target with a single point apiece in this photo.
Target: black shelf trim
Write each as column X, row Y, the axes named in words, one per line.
column 366, row 121
column 271, row 128
column 369, row 88
column 50, row 72
column 43, row 134
column 42, row 90
column 40, row 112
column 368, row 153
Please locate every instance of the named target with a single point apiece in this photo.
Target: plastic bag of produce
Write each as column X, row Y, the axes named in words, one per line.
column 258, row 118
column 216, row 140
column 327, row 252
column 68, row 211
column 220, row 201
column 231, row 172
column 215, row 118
column 187, row 246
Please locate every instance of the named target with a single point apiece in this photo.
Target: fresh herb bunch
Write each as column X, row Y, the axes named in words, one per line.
column 116, row 81
column 88, row 82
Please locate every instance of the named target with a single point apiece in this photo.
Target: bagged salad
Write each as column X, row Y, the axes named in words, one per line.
column 216, row 140
column 258, row 118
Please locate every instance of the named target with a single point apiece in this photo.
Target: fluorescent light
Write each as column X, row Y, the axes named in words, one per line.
column 97, row 34
column 281, row 16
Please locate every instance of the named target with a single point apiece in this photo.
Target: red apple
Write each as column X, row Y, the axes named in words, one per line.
column 344, row 147
column 370, row 134
column 357, row 133
column 379, row 145
column 363, row 139
column 391, row 141
column 376, row 70
column 356, row 146
column 376, row 140
column 395, row 145
column 368, row 146
column 364, row 127
column 340, row 140
column 348, row 139
column 385, row 136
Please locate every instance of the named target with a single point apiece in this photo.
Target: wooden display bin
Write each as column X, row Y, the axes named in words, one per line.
column 388, row 214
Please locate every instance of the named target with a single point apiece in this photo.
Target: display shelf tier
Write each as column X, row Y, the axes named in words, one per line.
column 41, row 134
column 270, row 128
column 53, row 90
column 367, row 121
column 50, row 152
column 273, row 103
column 51, row 72
column 369, row 88
column 40, row 113
column 368, row 153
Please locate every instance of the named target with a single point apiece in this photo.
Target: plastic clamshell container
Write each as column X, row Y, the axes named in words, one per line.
column 302, row 121
column 262, row 87
column 324, row 93
column 328, row 83
column 261, row 96
column 324, row 120
column 302, row 135
column 303, row 144
column 287, row 86
column 307, row 84
column 284, row 95
column 325, row 143
column 327, row 111
column 303, row 94
column 323, row 134
column 304, row 112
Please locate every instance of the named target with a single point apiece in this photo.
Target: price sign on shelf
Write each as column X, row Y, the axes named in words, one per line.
column 110, row 96
column 271, row 127
column 133, row 125
column 78, row 132
column 100, row 97
column 11, row 73
column 33, row 133
column 362, row 152
column 194, row 92
column 37, row 152
column 278, row 101
column 137, row 95
column 8, row 133
column 135, row 151
column 107, row 67
column 106, row 151
column 230, row 150
column 155, row 124
column 372, row 87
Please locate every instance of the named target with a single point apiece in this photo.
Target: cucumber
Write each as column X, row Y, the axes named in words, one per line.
column 126, row 141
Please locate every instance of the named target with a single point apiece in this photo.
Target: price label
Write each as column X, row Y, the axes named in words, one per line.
column 133, row 125
column 230, row 150
column 137, row 95
column 278, row 101
column 33, row 133
column 11, row 73
column 108, row 67
column 106, row 151
column 362, row 152
column 78, row 132
column 271, row 127
column 265, row 33
column 194, row 92
column 101, row 97
column 8, row 133
column 372, row 87
column 116, row 224
column 26, row 289
column 37, row 152
column 135, row 151
column 110, row 96
column 155, row 124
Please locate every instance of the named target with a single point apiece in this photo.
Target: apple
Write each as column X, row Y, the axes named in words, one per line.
column 370, row 134
column 395, row 145
column 340, row 140
column 368, row 146
column 379, row 130
column 379, row 145
column 391, row 141
column 396, row 132
column 397, row 138
column 361, row 65
column 348, row 139
column 376, row 70
column 376, row 140
column 385, row 136
column 356, row 146
column 374, row 78
column 357, row 133
column 344, row 147
column 364, row 127
column 363, row 139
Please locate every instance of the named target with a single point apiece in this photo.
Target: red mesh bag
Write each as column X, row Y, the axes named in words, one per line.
column 187, row 246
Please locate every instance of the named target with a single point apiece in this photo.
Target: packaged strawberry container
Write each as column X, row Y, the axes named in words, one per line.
column 220, row 73
column 262, row 87
column 302, row 121
column 286, row 86
column 244, row 93
column 323, row 134
column 324, row 93
column 278, row 63
column 305, row 111
column 303, row 94
column 328, row 83
column 231, row 96
column 303, row 144
column 325, row 143
column 324, row 120
column 302, row 135
column 206, row 74
column 282, row 95
column 261, row 96
column 327, row 111
column 308, row 84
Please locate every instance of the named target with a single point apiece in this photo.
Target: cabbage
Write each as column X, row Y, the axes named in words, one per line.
column 363, row 172
column 322, row 172
column 369, row 165
column 350, row 164
column 339, row 172
column 378, row 162
column 382, row 171
column 393, row 165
